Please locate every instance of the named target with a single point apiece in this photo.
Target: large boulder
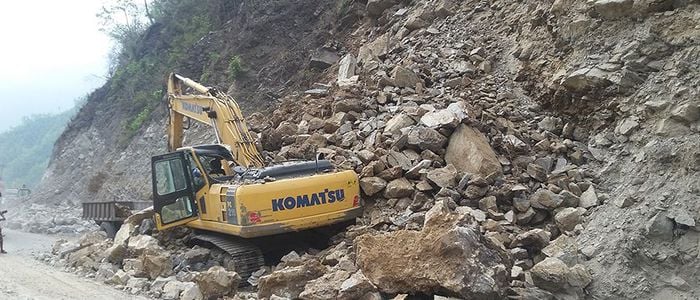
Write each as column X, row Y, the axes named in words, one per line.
column 217, row 282
column 469, row 151
column 449, row 255
column 290, row 281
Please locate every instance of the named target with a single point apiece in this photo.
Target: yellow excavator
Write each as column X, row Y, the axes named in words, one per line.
column 224, row 190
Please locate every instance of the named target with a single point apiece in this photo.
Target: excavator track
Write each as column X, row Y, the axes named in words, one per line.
column 246, row 256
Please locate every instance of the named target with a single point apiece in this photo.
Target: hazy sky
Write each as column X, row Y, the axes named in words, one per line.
column 51, row 54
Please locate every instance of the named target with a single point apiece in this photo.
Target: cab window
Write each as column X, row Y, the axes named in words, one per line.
column 169, row 177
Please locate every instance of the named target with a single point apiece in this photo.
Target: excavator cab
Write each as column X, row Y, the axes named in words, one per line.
column 174, row 184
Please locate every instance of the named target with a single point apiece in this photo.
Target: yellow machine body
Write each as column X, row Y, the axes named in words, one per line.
column 246, row 199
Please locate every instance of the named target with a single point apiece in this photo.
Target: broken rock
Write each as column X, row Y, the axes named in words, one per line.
column 545, row 199
column 444, row 177
column 449, row 254
column 290, row 281
column 586, row 80
column 470, row 152
column 217, row 282
column 426, row 138
column 399, row 188
column 372, row 185
column 403, row 77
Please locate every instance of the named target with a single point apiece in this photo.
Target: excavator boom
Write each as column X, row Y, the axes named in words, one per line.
column 216, row 109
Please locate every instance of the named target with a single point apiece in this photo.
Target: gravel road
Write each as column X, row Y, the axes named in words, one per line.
column 23, row 277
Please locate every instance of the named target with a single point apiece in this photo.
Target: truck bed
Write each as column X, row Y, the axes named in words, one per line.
column 112, row 210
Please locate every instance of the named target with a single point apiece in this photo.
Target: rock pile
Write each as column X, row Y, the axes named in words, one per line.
column 159, row 266
column 47, row 219
column 428, row 122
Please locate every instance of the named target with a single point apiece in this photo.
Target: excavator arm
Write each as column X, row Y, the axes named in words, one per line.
column 216, row 109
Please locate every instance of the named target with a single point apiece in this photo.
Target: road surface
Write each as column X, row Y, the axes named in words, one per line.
column 23, row 277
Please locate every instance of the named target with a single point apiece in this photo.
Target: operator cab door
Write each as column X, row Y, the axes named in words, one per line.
column 173, row 196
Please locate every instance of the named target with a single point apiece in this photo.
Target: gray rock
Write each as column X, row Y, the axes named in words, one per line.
column 551, row 124
column 144, row 244
column 686, row 113
column 545, row 199
column 403, row 77
column 398, row 159
column 551, row 274
column 346, row 69
column 443, row 177
column 589, row 198
column 196, row 255
column 217, row 282
column 372, row 185
column 535, row 238
column 623, row 201
column 450, row 117
column 586, row 80
column 579, row 277
column 567, row 218
column 569, row 199
column 415, row 171
column 564, row 248
column 537, row 172
column 355, row 287
column 682, row 217
column 399, row 188
column 660, row 226
column 627, row 125
column 398, row 122
column 426, row 138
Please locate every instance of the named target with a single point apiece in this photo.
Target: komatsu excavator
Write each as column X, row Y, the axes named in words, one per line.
column 226, row 193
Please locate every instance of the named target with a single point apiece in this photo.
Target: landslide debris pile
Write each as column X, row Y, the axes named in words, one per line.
column 506, row 149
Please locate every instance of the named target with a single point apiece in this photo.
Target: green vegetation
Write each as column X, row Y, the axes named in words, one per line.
column 234, row 67
column 25, row 150
column 153, row 40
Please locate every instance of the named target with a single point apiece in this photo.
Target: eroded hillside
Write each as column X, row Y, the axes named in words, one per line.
column 524, row 149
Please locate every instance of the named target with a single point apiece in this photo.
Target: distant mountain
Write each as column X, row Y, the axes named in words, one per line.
column 25, row 150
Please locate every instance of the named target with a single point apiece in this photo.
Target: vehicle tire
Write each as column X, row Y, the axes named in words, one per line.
column 109, row 228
